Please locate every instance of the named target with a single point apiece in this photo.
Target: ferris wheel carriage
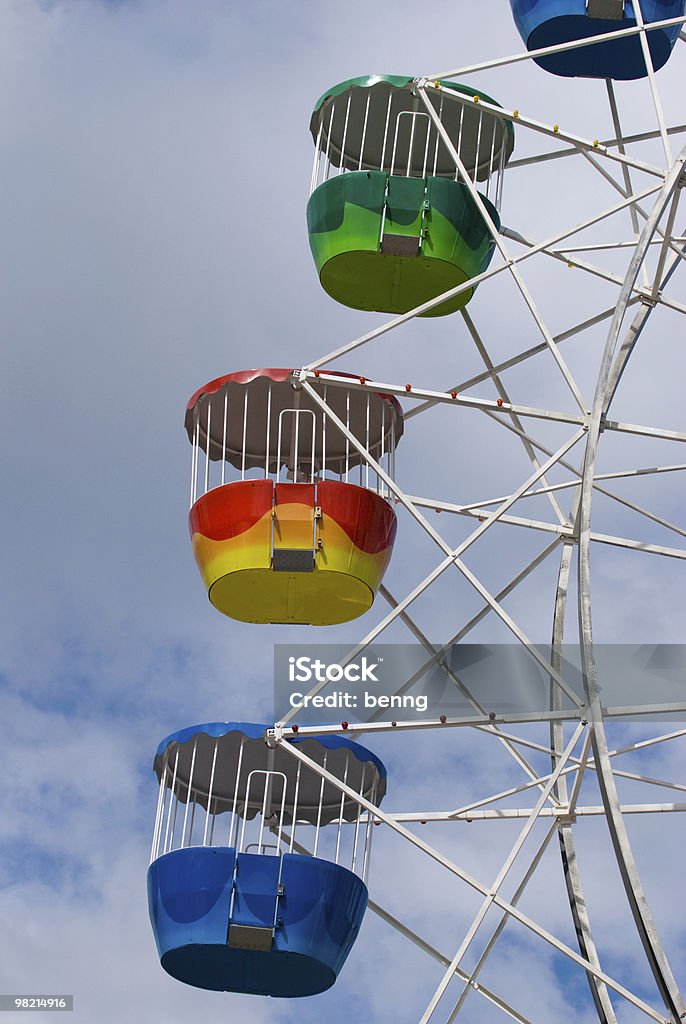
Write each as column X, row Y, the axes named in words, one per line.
column 288, row 522
column 392, row 221
column 258, row 864
column 543, row 23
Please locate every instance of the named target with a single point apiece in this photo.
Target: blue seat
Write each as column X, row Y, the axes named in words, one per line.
column 548, row 22
column 318, row 917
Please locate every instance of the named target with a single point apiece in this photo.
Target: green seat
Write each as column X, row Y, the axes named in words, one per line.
column 390, row 243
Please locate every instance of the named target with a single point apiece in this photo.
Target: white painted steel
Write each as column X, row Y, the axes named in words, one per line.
column 648, row 196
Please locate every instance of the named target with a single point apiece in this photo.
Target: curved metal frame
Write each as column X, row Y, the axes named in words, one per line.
column 605, row 388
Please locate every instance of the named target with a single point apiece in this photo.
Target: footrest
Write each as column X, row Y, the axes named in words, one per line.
column 400, row 245
column 293, row 560
column 243, row 936
column 609, row 10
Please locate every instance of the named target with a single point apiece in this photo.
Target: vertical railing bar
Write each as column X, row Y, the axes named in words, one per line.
column 207, row 445
column 342, row 807
column 317, row 153
column 490, row 162
column 265, row 800
column 364, row 131
column 438, row 137
column 283, row 810
column 366, row 463
column 413, row 115
column 380, row 486
column 385, row 131
column 173, row 787
column 324, row 419
column 235, row 792
column 368, row 837
column 295, row 806
column 319, row 810
column 345, row 132
column 239, row 843
column 395, row 141
column 296, row 445
column 426, row 146
column 176, row 808
column 159, row 813
column 188, row 795
column 478, row 146
column 347, row 439
column 245, row 432
column 278, row 445
column 269, row 428
column 194, row 450
column 190, row 830
column 357, row 820
column 328, row 142
column 459, row 139
column 501, row 174
column 209, row 793
column 226, row 422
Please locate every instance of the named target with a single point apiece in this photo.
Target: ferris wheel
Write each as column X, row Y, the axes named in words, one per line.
column 558, row 456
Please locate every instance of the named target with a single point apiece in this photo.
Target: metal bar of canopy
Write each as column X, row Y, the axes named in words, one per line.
column 485, row 609
column 276, row 736
column 437, row 658
column 636, row 428
column 502, row 391
column 602, row 490
column 453, row 555
column 541, row 158
column 469, row 721
column 618, row 751
column 526, row 295
column 521, row 357
column 477, row 508
column 646, row 289
column 550, row 131
column 516, row 813
column 418, row 393
column 602, row 246
column 479, row 512
column 620, row 474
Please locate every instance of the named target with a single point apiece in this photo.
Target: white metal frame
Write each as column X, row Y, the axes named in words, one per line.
column 573, row 741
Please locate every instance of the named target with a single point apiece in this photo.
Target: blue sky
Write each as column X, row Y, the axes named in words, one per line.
column 155, row 160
